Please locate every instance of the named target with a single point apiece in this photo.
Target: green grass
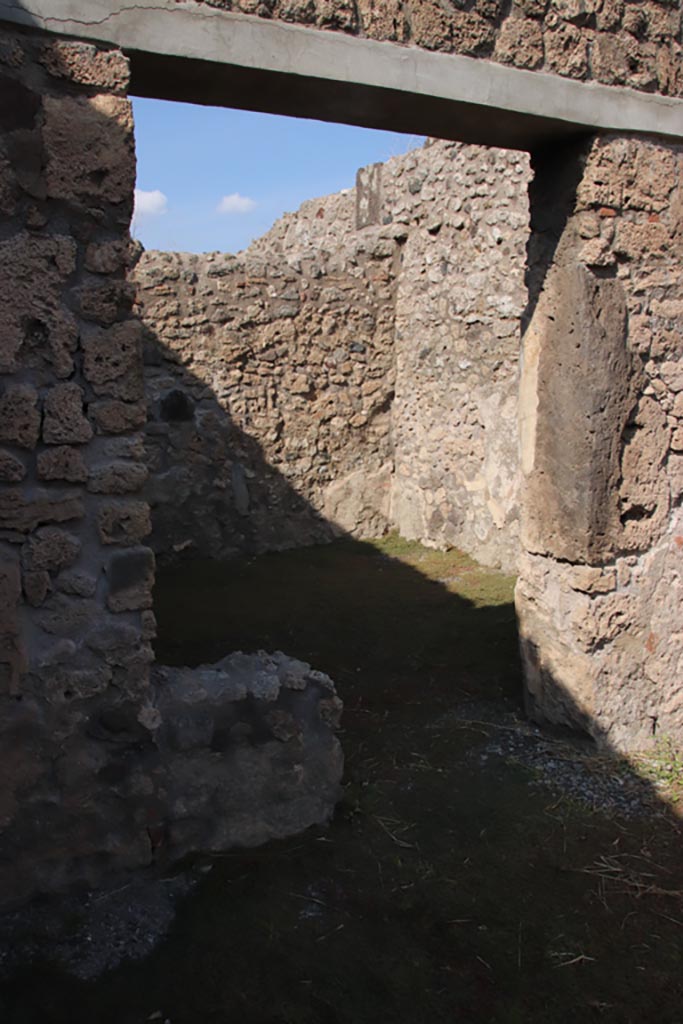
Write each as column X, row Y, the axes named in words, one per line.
column 663, row 766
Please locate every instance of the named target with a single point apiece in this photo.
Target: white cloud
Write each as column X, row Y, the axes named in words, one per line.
column 235, row 203
column 149, row 204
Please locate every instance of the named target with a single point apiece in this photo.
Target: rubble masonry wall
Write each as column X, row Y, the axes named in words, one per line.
column 106, row 767
column 354, row 369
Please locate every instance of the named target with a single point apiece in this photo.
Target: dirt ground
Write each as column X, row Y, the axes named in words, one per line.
column 478, row 869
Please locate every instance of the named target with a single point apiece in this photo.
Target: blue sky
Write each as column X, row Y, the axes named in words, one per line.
column 211, row 178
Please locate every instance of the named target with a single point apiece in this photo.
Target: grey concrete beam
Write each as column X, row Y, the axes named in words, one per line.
column 192, row 52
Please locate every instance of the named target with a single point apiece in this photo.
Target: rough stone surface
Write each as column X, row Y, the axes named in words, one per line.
column 96, row 166
column 39, row 330
column 229, row 754
column 269, row 378
column 123, row 522
column 106, row 770
column 599, row 594
column 354, row 369
column 66, row 173
column 266, row 719
column 63, row 463
column 64, row 420
column 20, row 416
column 12, row 469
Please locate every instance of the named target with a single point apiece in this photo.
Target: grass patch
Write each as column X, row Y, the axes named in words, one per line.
column 663, row 767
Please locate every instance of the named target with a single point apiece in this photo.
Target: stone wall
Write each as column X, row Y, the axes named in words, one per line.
column 600, row 590
column 270, row 378
column 100, row 763
column 105, row 768
column 371, row 332
column 636, row 43
column 76, row 576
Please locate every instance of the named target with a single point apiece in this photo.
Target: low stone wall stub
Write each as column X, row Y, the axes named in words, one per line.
column 248, row 752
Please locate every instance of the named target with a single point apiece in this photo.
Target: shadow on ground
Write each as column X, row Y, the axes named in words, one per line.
column 462, row 878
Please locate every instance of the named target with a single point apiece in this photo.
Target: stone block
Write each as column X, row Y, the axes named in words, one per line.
column 51, row 548
column 12, row 469
column 77, row 582
column 282, row 751
column 19, row 415
column 360, row 503
column 10, row 581
column 24, row 513
column 38, row 332
column 380, row 19
column 107, row 257
column 653, row 173
column 123, row 522
column 132, row 675
column 90, row 150
column 115, row 417
column 63, row 615
column 566, row 51
column 66, row 683
column 85, row 64
column 609, row 59
column 64, row 420
column 675, row 475
column 643, row 489
column 106, row 302
column 118, row 478
column 113, row 360
column 62, row 463
column 112, row 639
column 592, row 579
column 520, row 42
column 642, row 240
column 132, row 448
column 671, row 373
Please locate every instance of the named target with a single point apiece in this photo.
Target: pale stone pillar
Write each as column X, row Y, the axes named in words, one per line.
column 600, row 592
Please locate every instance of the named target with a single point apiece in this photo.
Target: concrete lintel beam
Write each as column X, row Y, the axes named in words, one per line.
column 188, row 51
